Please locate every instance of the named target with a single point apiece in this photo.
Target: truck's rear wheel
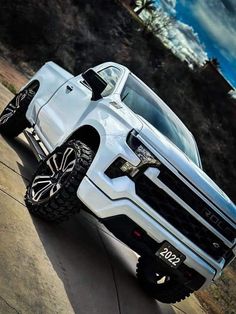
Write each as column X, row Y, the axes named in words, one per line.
column 13, row 120
column 161, row 286
column 51, row 194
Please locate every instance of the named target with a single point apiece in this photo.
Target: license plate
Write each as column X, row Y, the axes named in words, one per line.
column 170, row 255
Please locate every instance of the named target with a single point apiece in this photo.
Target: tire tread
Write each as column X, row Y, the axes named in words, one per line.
column 65, row 203
column 171, row 292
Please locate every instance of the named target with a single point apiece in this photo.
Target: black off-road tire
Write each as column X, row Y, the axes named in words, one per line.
column 171, row 291
column 17, row 122
column 64, row 203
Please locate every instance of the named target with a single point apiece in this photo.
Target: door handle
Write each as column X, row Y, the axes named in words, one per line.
column 69, row 88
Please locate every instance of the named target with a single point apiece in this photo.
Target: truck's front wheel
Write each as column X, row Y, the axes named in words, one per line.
column 51, row 194
column 157, row 283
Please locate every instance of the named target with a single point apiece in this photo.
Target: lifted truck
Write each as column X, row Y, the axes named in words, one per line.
column 109, row 145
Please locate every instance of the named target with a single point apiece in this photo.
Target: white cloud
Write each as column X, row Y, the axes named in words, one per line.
column 178, row 36
column 185, row 43
column 219, row 20
column 169, row 5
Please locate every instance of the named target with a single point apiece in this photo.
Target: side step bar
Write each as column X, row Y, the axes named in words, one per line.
column 35, row 145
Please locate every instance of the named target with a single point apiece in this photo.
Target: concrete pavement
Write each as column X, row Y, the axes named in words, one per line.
column 74, row 267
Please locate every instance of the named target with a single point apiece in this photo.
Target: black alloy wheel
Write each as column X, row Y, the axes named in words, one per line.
column 52, row 193
column 12, row 119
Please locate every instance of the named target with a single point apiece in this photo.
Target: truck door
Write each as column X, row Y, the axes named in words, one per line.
column 58, row 118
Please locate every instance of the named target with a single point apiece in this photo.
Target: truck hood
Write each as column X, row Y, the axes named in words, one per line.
column 188, row 169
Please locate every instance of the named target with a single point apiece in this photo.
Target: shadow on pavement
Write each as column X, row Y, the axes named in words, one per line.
column 25, row 154
column 98, row 271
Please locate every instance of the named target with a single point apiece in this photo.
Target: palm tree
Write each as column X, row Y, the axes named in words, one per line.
column 145, row 5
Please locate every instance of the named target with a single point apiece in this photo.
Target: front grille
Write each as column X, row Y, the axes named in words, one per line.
column 180, row 218
column 196, row 203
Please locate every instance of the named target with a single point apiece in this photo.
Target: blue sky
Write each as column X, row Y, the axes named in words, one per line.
column 205, row 29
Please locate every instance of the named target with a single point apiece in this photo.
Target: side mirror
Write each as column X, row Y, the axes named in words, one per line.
column 96, row 83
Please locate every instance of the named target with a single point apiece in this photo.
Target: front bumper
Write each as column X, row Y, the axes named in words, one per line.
column 103, row 207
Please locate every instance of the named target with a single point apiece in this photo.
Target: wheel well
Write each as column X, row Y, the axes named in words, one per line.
column 88, row 135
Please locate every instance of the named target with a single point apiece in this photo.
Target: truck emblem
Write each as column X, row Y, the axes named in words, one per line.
column 115, row 104
column 216, row 245
column 218, row 222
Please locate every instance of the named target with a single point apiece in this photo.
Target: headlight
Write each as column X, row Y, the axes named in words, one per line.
column 122, row 167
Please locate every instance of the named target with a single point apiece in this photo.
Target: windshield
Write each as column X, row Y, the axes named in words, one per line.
column 148, row 105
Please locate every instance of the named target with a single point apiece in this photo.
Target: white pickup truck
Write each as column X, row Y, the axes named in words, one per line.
column 109, row 145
